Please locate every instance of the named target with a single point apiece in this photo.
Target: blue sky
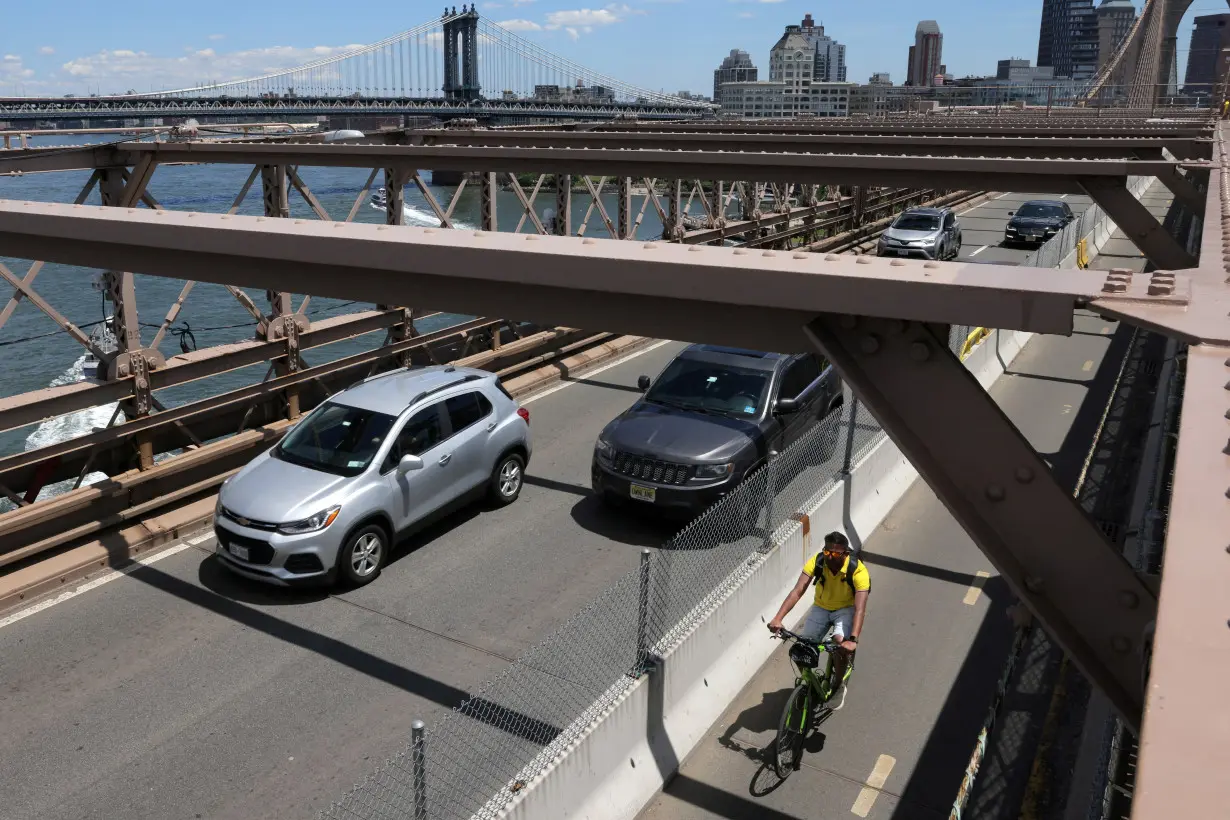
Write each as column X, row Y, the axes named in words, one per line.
column 79, row 46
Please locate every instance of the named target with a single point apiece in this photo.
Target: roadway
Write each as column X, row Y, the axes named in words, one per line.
column 177, row 690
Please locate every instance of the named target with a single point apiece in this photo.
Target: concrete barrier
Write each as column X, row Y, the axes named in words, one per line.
column 627, row 752
column 1103, row 227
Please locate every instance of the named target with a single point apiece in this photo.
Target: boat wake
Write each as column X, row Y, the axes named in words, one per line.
column 63, row 428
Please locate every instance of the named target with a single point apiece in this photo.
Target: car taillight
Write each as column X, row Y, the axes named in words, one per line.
column 523, row 413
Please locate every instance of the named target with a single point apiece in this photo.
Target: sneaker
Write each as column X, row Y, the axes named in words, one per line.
column 837, row 699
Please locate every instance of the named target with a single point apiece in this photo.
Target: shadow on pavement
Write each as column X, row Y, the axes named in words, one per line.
column 941, row 766
column 623, row 523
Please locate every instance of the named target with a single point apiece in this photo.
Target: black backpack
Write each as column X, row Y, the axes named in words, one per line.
column 818, row 578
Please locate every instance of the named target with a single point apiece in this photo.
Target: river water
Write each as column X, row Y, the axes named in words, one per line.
column 36, row 354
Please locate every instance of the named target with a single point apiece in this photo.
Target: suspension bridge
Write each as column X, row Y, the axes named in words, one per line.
column 456, row 66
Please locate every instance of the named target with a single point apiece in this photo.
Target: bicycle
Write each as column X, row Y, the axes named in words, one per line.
column 798, row 716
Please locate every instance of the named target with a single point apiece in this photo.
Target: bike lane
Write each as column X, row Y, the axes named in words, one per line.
column 933, row 647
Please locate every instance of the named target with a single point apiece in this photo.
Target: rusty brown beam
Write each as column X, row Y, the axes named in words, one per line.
column 658, row 290
column 40, row 405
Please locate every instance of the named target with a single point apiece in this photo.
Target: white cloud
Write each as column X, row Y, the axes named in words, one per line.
column 520, row 25
column 46, row 50
column 581, row 17
column 123, row 68
column 217, row 36
column 13, row 72
column 572, row 32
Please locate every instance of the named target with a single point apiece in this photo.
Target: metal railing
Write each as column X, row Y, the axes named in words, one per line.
column 512, row 728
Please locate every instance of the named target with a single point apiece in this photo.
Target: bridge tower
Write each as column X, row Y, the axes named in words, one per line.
column 461, row 81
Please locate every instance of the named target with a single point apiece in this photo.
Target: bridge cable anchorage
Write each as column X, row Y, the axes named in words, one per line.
column 422, row 64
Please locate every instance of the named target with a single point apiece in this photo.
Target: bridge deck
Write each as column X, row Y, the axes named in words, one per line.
column 178, row 689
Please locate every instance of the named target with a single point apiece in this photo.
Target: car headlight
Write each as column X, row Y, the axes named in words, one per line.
column 312, row 523
column 603, row 450
column 714, row 470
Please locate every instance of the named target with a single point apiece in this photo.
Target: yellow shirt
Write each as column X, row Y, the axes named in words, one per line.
column 835, row 593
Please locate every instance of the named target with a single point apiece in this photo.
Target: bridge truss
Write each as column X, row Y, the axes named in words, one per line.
column 883, row 323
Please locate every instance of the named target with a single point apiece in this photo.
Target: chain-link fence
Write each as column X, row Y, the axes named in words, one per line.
column 515, row 726
column 1063, row 244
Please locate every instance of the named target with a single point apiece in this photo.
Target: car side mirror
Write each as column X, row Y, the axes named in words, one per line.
column 643, row 383
column 1010, row 213
column 409, row 464
column 785, row 406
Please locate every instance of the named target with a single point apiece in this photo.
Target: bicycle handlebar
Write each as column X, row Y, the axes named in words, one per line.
column 785, row 634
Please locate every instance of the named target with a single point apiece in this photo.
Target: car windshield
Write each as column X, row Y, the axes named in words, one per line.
column 917, row 222
column 1039, row 210
column 336, row 439
column 710, row 388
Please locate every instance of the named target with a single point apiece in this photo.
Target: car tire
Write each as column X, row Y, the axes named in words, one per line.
column 363, row 555
column 507, row 479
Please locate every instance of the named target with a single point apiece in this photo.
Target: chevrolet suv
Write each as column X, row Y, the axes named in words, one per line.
column 371, row 463
column 707, row 422
column 922, row 233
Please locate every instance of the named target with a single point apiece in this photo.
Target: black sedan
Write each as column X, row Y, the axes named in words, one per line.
column 1037, row 221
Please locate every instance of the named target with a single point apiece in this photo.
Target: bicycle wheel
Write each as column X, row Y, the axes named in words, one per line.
column 788, row 745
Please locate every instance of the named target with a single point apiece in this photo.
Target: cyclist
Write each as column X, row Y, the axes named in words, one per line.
column 840, row 602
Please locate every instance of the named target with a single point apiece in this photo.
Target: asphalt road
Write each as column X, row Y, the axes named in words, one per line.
column 982, row 227
column 180, row 691
column 932, row 647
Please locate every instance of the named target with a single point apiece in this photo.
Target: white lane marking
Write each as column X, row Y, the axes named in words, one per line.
column 595, row 372
column 1065, row 196
column 105, row 578
column 1087, row 366
column 980, row 250
column 867, row 797
column 975, row 589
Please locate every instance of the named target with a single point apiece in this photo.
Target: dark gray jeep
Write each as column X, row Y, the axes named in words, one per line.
column 707, row 422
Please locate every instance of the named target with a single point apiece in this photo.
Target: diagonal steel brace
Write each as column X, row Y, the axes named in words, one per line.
column 1002, row 493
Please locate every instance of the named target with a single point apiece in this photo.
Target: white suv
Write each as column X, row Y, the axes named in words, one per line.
column 375, row 460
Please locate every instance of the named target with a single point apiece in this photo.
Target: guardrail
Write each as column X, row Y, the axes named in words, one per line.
column 622, row 679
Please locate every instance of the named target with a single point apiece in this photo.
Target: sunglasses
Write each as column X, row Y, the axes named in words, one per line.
column 834, row 551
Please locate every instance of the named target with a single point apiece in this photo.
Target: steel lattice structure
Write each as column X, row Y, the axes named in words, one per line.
column 884, row 324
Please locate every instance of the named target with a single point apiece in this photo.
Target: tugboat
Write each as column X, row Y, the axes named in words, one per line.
column 104, row 340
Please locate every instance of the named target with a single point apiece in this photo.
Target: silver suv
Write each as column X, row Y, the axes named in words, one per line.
column 329, row 501
column 922, row 233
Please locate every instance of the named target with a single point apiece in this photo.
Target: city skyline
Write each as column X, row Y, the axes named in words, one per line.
column 46, row 52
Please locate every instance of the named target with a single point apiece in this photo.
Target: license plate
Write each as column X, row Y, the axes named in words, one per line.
column 239, row 552
column 642, row 493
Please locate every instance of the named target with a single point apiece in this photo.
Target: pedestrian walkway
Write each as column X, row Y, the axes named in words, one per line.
column 937, row 630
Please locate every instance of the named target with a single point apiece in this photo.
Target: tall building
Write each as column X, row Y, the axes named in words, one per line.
column 926, row 55
column 1068, row 38
column 830, row 55
column 737, row 67
column 1209, row 37
column 1115, row 21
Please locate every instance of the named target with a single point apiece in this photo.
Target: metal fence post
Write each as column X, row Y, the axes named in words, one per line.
column 420, row 769
column 642, row 617
column 770, row 496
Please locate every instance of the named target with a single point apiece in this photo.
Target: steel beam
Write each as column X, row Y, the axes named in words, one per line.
column 40, row 405
column 966, row 173
column 650, row 289
column 1134, row 219
column 1000, row 490
column 892, row 143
